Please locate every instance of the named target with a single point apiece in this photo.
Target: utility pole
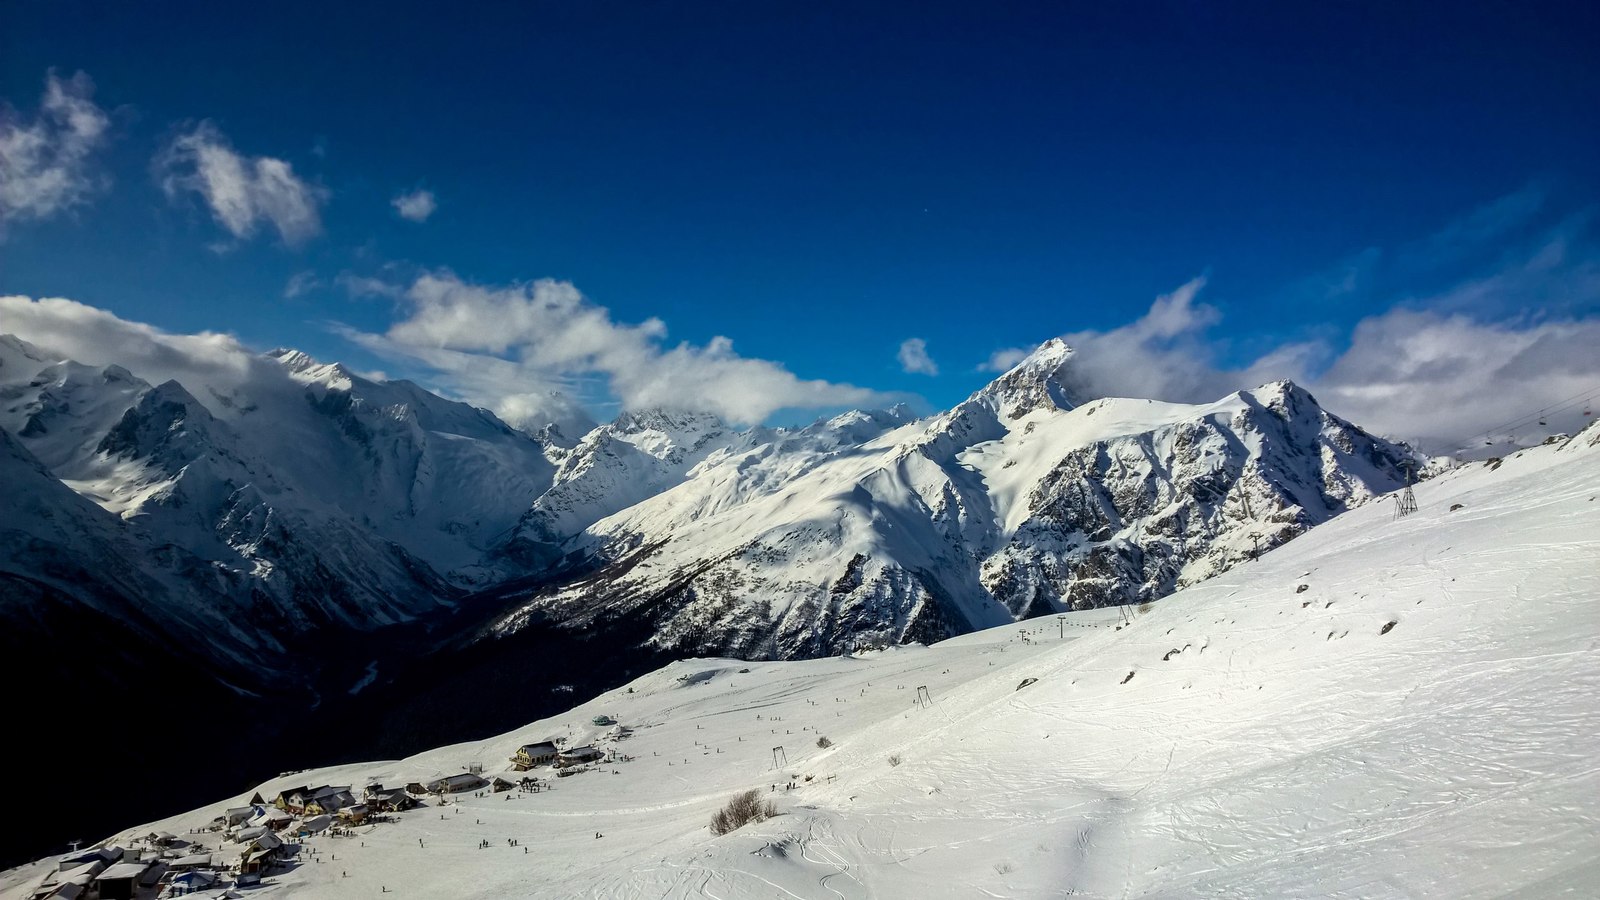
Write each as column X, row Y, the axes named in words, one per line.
column 1061, row 627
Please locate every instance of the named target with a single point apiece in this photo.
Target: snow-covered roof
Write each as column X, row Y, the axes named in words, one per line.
column 122, row 871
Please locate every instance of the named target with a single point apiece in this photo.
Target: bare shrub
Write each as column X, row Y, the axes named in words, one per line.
column 1004, row 868
column 745, row 807
column 894, row 759
column 824, row 743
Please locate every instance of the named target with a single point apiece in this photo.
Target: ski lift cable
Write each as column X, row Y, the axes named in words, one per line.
column 1529, row 418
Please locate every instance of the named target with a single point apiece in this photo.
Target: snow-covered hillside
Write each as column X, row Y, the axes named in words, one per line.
column 1382, row 708
column 870, row 530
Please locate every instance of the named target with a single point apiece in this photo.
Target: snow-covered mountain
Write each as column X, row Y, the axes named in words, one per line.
column 303, row 494
column 871, row 529
column 293, row 495
column 1385, row 708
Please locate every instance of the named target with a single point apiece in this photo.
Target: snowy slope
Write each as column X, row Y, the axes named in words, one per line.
column 1018, row 502
column 1381, row 708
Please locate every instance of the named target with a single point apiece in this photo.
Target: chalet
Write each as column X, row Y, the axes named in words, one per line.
column 119, row 882
column 530, row 755
column 394, row 800
column 459, row 783
column 246, row 835
column 328, row 800
column 579, row 755
column 354, row 814
column 260, row 854
column 314, row 825
column 234, row 816
column 291, row 800
column 500, row 785
column 603, row 720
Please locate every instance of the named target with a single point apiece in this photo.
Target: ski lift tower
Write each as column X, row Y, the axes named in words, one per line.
column 1406, row 503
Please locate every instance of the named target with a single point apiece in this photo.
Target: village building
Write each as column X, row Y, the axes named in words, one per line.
column 120, row 881
column 500, row 785
column 186, row 883
column 314, row 825
column 192, row 861
column 579, row 755
column 291, row 800
column 529, row 755
column 354, row 814
column 261, row 853
column 105, row 856
column 233, row 816
column 271, row 817
column 380, row 799
column 459, row 783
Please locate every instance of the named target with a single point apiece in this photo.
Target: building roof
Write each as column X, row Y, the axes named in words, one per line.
column 123, row 871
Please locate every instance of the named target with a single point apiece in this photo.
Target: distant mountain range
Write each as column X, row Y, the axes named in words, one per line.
column 304, row 499
column 296, row 534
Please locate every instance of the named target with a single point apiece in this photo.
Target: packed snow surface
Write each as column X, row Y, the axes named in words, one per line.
column 1382, row 708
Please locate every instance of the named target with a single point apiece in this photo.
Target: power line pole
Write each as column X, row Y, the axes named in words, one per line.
column 1406, row 503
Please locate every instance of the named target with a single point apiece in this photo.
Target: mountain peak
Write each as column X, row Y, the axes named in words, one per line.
column 1039, row 381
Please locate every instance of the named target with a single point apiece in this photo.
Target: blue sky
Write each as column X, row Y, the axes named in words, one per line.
column 820, row 183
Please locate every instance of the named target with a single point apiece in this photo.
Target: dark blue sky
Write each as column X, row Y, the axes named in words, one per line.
column 819, row 182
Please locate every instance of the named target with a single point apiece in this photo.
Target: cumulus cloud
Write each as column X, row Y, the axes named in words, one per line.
column 914, row 358
column 45, row 163
column 242, row 192
column 415, row 206
column 509, row 347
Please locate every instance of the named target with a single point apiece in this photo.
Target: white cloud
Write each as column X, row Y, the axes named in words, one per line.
column 1432, row 375
column 300, row 284
column 415, row 206
column 45, row 164
column 509, row 347
column 96, row 337
column 243, row 192
column 1003, row 359
column 914, row 358
column 365, row 286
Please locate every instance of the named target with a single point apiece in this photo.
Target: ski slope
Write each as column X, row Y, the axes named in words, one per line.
column 1273, row 740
